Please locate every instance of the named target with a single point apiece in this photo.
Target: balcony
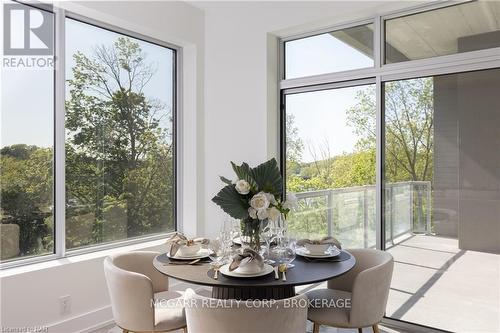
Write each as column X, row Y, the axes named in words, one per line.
column 435, row 282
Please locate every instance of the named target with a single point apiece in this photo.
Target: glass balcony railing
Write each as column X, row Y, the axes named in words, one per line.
column 349, row 214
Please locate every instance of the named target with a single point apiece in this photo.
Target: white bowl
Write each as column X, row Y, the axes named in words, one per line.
column 189, row 250
column 317, row 248
column 251, row 267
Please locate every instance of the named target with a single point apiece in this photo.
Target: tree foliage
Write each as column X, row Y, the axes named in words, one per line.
column 408, row 149
column 119, row 157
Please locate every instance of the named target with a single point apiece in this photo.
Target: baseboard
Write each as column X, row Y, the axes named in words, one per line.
column 84, row 323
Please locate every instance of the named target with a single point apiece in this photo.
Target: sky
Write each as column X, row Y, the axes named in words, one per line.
column 27, row 113
column 321, row 115
column 27, row 95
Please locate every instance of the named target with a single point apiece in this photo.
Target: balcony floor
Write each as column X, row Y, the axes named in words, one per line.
column 438, row 285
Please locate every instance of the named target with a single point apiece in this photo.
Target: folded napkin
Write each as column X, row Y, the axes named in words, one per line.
column 247, row 256
column 324, row 240
column 177, row 240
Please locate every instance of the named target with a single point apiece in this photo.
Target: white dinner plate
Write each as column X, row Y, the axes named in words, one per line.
column 332, row 252
column 237, row 241
column 266, row 270
column 202, row 253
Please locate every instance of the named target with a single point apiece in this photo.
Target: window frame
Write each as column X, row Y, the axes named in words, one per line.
column 440, row 65
column 381, row 72
column 59, row 191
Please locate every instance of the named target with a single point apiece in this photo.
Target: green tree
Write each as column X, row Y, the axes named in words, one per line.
column 119, row 156
column 409, row 107
column 408, row 127
column 294, row 146
column 27, row 195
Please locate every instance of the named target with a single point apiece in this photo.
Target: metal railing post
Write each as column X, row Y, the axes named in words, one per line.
column 329, row 212
column 428, row 207
column 412, row 218
column 365, row 218
column 392, row 205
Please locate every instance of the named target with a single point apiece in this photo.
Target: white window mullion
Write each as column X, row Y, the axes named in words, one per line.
column 59, row 132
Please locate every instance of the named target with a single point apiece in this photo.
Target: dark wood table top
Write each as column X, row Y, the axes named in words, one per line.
column 304, row 272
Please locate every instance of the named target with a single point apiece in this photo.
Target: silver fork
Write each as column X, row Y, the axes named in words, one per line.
column 282, row 269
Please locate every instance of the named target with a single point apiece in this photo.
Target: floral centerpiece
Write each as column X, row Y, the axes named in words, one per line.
column 254, row 198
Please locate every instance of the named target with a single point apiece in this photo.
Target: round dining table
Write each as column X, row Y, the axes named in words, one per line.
column 305, row 271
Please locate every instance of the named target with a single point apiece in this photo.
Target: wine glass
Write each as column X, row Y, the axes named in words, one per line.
column 216, row 255
column 287, row 252
column 267, row 237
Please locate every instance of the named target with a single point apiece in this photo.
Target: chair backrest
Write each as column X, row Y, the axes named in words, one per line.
column 132, row 281
column 208, row 315
column 369, row 281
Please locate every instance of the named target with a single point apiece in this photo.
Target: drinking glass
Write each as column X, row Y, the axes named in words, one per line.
column 287, row 252
column 216, row 253
column 268, row 237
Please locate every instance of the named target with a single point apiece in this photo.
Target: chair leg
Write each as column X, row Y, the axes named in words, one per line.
column 375, row 329
column 315, row 327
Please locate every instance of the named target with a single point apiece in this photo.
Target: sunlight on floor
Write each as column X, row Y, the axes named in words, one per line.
column 438, row 285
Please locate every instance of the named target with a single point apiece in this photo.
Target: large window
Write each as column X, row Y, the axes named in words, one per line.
column 26, row 158
column 119, row 136
column 109, row 115
column 442, row 145
column 405, row 157
column 331, row 163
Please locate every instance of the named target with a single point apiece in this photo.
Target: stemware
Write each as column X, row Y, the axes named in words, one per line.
column 216, row 255
column 287, row 252
column 268, row 237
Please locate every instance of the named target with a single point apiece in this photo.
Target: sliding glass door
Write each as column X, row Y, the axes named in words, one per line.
column 330, row 163
column 442, row 199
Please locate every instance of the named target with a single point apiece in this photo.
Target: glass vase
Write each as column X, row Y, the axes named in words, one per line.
column 250, row 233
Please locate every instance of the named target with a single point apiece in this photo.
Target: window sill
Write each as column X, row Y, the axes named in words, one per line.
column 71, row 259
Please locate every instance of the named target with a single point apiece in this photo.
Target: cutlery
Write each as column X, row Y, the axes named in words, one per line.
column 216, row 273
column 183, row 262
column 282, row 269
column 276, row 274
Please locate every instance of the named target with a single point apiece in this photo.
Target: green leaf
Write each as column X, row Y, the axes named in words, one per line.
column 245, row 172
column 225, row 180
column 268, row 177
column 232, row 202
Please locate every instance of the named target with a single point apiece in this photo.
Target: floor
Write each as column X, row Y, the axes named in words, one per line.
column 438, row 285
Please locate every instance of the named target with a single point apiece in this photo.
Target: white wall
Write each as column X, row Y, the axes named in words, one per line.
column 30, row 295
column 241, row 77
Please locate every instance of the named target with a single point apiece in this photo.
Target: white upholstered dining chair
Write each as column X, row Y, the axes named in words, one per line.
column 366, row 286
column 133, row 283
column 209, row 315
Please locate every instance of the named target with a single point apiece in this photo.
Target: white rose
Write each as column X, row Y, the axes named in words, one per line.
column 259, row 201
column 291, row 201
column 252, row 212
column 273, row 213
column 263, row 214
column 242, row 186
column 271, row 198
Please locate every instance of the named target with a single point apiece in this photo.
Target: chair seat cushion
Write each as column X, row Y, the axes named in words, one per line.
column 329, row 307
column 169, row 311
